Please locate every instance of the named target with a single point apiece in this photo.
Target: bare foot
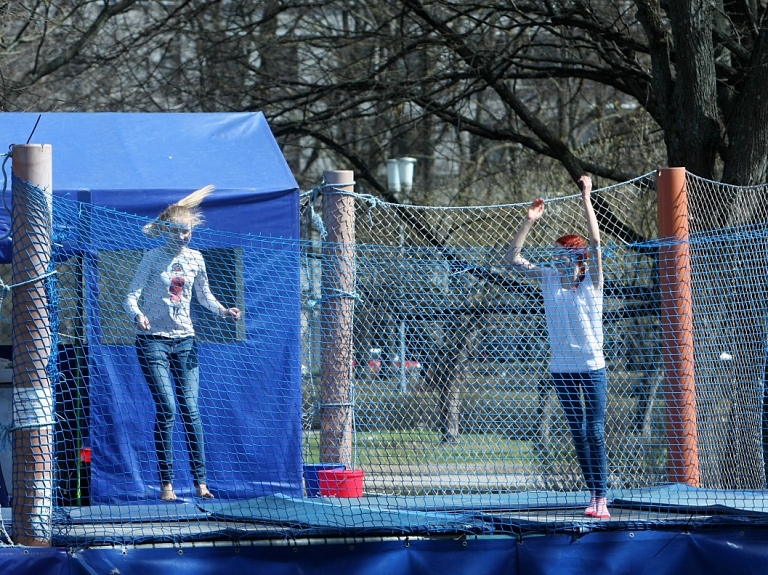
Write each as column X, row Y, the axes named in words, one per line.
column 166, row 492
column 203, row 492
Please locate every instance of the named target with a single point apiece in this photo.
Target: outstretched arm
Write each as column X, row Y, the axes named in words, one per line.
column 595, row 258
column 205, row 297
column 513, row 255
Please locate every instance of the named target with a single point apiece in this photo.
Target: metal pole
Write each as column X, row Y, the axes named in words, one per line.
column 32, row 497
column 403, row 374
column 401, row 352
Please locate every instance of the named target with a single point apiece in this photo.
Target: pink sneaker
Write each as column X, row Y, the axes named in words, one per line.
column 591, row 508
column 601, row 509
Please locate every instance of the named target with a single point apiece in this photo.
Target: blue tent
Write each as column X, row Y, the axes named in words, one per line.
column 139, row 164
column 129, row 162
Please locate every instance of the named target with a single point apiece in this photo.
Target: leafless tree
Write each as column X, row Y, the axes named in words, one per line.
column 481, row 93
column 499, row 100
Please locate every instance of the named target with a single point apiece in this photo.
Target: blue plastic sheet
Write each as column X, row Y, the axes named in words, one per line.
column 141, row 163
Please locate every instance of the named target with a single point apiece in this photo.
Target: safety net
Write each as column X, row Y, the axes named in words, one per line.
column 390, row 373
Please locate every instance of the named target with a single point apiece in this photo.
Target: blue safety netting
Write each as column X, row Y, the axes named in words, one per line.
column 398, row 385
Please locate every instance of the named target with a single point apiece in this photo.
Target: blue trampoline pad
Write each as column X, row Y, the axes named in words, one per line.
column 484, row 502
column 179, row 510
column 681, row 498
column 343, row 514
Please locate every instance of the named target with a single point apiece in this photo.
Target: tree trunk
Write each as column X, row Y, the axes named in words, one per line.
column 746, row 162
column 694, row 135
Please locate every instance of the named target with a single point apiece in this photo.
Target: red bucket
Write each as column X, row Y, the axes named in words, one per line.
column 341, row 482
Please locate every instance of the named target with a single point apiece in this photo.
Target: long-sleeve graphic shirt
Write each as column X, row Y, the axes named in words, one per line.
column 574, row 323
column 164, row 283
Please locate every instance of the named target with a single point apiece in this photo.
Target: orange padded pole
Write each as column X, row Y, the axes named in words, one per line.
column 677, row 327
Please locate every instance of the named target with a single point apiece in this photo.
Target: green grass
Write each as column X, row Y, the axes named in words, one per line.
column 509, row 424
column 422, row 447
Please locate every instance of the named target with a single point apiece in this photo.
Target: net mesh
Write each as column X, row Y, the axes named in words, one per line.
column 728, row 225
column 424, row 371
column 451, row 383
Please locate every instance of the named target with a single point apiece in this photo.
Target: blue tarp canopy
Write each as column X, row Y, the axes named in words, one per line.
column 139, row 164
column 130, row 162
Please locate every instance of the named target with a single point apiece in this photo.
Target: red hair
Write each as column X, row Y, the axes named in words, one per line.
column 578, row 245
column 573, row 241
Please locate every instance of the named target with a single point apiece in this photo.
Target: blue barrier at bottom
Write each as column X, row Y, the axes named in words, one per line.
column 614, row 552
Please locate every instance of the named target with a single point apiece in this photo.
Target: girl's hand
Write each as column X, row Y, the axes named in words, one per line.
column 142, row 322
column 232, row 312
column 585, row 185
column 536, row 209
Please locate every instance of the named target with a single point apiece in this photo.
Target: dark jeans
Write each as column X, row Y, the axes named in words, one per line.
column 171, row 369
column 587, row 422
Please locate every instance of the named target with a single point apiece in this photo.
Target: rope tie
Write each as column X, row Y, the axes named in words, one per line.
column 329, row 405
column 337, row 188
column 340, row 293
column 6, row 289
column 315, row 192
column 317, row 220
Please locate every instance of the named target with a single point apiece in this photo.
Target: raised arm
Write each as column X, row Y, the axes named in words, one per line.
column 513, row 255
column 595, row 257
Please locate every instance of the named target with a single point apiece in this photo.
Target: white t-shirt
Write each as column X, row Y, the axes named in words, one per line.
column 574, row 323
column 166, row 280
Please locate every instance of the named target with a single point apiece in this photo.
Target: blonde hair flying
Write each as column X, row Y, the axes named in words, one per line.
column 186, row 210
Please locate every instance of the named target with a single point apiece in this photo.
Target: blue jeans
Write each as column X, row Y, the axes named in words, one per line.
column 587, row 422
column 171, row 369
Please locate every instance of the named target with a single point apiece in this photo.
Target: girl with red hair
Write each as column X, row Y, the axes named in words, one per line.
column 573, row 302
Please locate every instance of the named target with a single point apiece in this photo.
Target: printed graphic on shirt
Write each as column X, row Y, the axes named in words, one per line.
column 176, row 289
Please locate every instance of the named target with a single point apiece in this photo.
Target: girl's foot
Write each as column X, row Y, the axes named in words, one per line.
column 203, row 492
column 166, row 492
column 591, row 508
column 601, row 509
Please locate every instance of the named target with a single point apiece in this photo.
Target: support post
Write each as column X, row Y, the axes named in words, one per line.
column 32, row 496
column 336, row 319
column 677, row 327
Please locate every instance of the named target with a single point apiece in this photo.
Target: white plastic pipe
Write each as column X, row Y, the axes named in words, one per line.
column 393, row 175
column 405, row 168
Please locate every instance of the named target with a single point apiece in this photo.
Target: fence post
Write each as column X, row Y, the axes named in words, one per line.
column 32, row 497
column 677, row 327
column 336, row 319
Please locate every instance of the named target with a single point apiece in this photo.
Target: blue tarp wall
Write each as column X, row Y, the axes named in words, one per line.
column 139, row 164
